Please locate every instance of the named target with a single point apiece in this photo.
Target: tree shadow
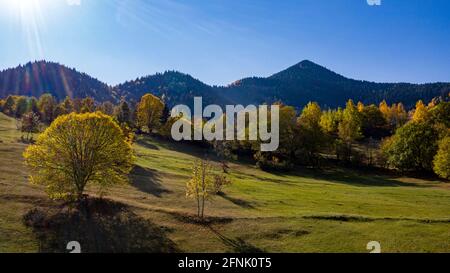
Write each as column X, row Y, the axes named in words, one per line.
column 192, row 148
column 359, row 178
column 348, row 176
column 237, row 244
column 148, row 181
column 239, row 202
column 101, row 226
column 145, row 143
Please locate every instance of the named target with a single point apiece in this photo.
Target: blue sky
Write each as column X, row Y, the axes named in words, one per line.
column 220, row 41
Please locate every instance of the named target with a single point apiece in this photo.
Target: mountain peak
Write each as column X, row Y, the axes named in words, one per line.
column 306, row 69
column 306, row 64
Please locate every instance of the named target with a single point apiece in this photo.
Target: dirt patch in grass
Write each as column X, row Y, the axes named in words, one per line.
column 342, row 218
column 277, row 234
column 28, row 199
column 194, row 219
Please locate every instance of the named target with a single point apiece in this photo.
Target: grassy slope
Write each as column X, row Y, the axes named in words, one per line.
column 327, row 211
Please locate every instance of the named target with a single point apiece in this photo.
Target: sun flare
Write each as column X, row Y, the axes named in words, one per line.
column 29, row 14
column 22, row 6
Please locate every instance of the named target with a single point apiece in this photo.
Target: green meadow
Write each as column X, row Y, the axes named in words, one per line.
column 306, row 210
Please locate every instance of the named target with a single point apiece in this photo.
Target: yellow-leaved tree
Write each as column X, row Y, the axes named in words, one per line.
column 421, row 113
column 149, row 112
column 201, row 185
column 77, row 150
column 442, row 159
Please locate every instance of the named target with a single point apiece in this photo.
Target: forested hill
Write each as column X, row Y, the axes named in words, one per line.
column 37, row 78
column 297, row 85
column 174, row 87
column 307, row 81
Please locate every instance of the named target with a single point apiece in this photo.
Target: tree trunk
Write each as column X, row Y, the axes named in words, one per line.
column 198, row 206
column 203, row 206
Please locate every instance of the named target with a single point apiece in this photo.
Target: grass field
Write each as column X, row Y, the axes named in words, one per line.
column 331, row 210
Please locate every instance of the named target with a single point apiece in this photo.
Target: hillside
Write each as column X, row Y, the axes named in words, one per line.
column 174, row 87
column 297, row 85
column 307, row 81
column 37, row 78
column 331, row 210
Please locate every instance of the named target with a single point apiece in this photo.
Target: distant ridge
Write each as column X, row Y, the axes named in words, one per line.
column 297, row 85
column 37, row 78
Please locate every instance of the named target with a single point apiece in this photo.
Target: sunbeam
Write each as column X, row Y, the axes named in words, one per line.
column 29, row 14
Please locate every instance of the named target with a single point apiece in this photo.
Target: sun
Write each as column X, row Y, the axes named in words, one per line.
column 21, row 5
column 28, row 13
column 23, row 9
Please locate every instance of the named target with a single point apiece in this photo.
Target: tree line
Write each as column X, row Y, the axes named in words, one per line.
column 383, row 135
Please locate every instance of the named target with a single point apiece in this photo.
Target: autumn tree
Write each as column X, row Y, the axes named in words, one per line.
column 77, row 105
column 219, row 182
column 329, row 121
column 441, row 162
column 33, row 106
column 149, row 112
column 67, row 106
column 21, row 107
column 401, row 116
column 77, row 150
column 283, row 157
column 29, row 125
column 201, row 185
column 349, row 128
column 47, row 105
column 311, row 135
column 440, row 114
column 123, row 113
column 9, row 105
column 87, row 105
column 373, row 123
column 106, row 108
column 420, row 113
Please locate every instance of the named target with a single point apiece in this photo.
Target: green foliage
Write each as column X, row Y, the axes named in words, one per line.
column 8, row 106
column 441, row 163
column 311, row 137
column 373, row 124
column 412, row 147
column 285, row 155
column 123, row 113
column 33, row 106
column 21, row 107
column 441, row 114
column 77, row 150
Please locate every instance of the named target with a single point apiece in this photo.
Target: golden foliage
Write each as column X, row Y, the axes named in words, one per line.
column 77, row 150
column 149, row 112
column 421, row 113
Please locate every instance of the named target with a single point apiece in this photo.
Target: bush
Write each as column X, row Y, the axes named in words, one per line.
column 270, row 162
column 413, row 147
column 442, row 159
